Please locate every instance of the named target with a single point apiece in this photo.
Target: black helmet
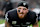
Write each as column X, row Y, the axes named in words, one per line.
column 23, row 4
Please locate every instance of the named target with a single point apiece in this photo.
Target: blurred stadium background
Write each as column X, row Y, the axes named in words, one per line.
column 34, row 5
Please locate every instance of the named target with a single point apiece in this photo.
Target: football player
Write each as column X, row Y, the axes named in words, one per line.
column 21, row 17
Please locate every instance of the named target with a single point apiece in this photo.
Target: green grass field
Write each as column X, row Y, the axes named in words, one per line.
column 3, row 21
column 39, row 23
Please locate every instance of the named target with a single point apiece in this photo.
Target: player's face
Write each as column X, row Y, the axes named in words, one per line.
column 22, row 11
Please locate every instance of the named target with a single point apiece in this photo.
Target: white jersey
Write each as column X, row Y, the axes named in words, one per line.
column 36, row 10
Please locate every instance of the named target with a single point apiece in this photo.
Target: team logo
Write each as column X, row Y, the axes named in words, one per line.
column 24, row 4
column 14, row 22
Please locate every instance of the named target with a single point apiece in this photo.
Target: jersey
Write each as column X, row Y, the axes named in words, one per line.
column 15, row 21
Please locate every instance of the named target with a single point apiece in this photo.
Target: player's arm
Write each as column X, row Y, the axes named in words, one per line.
column 35, row 24
column 6, row 20
column 7, row 24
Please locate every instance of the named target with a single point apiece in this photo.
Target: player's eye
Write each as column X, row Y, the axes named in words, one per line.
column 18, row 10
column 24, row 9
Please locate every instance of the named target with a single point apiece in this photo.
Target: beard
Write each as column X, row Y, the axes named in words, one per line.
column 22, row 15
